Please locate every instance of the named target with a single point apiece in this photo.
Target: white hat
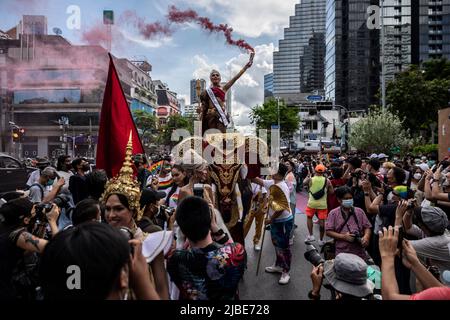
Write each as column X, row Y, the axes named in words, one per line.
column 373, row 156
column 382, row 156
column 423, row 166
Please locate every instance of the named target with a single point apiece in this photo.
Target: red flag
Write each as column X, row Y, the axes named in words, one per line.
column 116, row 122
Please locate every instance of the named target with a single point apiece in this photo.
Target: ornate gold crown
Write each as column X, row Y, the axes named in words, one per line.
column 125, row 184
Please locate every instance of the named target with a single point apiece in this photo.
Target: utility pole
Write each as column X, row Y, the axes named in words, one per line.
column 383, row 67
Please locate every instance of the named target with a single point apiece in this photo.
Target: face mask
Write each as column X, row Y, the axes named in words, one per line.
column 417, row 176
column 50, row 182
column 347, row 203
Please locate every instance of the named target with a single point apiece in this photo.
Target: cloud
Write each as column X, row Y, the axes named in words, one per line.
column 269, row 18
column 248, row 91
column 147, row 43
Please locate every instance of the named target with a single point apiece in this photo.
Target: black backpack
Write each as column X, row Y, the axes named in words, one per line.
column 319, row 194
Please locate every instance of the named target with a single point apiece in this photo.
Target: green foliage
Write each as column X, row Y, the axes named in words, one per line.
column 417, row 94
column 267, row 115
column 145, row 121
column 425, row 149
column 174, row 122
column 380, row 131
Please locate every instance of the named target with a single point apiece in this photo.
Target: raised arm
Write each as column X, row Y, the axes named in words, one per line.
column 230, row 83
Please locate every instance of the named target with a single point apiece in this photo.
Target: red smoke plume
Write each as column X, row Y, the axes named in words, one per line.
column 177, row 16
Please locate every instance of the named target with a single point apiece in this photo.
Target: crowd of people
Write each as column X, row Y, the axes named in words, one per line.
column 383, row 229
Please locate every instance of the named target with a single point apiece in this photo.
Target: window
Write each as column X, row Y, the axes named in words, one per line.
column 8, row 163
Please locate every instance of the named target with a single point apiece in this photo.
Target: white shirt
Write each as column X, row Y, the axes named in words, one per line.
column 286, row 215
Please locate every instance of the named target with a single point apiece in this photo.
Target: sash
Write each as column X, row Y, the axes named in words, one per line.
column 223, row 117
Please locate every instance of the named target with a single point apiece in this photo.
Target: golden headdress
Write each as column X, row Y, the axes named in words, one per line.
column 277, row 199
column 126, row 184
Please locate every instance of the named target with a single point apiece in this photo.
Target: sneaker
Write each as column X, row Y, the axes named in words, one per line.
column 257, row 247
column 274, row 269
column 321, row 243
column 310, row 239
column 284, row 279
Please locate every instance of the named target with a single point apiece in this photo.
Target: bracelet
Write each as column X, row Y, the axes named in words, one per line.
column 312, row 296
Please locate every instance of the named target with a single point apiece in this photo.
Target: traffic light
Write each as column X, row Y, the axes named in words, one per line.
column 15, row 135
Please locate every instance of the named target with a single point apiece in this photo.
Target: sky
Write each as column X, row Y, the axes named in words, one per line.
column 189, row 52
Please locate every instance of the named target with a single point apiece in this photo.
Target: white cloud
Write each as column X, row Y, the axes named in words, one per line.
column 248, row 91
column 251, row 18
column 147, row 43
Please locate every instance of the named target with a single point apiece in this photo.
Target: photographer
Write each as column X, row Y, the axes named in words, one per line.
column 349, row 226
column 107, row 272
column 17, row 243
column 346, row 274
column 206, row 271
column 47, row 178
column 428, row 224
column 151, row 221
column 389, row 244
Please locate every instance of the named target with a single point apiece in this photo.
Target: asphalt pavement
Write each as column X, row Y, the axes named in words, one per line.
column 265, row 286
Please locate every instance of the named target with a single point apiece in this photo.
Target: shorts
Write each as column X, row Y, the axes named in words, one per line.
column 322, row 214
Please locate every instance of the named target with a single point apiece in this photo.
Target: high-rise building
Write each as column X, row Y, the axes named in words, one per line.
column 352, row 59
column 194, row 98
column 434, row 29
column 268, row 86
column 312, row 65
column 309, row 18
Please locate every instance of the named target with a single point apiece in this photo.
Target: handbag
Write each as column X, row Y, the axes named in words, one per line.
column 319, row 194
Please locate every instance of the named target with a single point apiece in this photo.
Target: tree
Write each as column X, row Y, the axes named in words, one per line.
column 145, row 121
column 380, row 131
column 175, row 121
column 417, row 94
column 265, row 116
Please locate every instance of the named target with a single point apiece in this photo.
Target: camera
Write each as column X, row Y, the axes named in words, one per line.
column 313, row 256
column 169, row 211
column 128, row 235
column 412, row 204
column 357, row 238
column 41, row 210
column 198, row 190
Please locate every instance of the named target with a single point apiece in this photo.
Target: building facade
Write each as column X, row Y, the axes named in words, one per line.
column 312, row 65
column 352, row 58
column 309, row 18
column 168, row 103
column 268, row 86
column 193, row 85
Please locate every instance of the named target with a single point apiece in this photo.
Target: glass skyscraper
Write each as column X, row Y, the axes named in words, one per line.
column 352, row 58
column 309, row 18
column 268, row 85
column 312, row 65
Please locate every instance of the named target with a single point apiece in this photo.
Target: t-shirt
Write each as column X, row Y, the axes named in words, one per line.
column 317, row 183
column 34, row 177
column 66, row 175
column 436, row 293
column 78, row 187
column 435, row 248
column 165, row 183
column 37, row 193
column 335, row 222
column 285, row 215
column 385, row 217
column 10, row 254
column 173, row 200
column 210, row 273
column 292, row 183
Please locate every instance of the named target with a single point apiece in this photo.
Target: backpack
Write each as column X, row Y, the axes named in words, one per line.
column 319, row 194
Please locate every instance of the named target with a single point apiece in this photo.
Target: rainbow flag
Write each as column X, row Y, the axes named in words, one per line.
column 155, row 168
